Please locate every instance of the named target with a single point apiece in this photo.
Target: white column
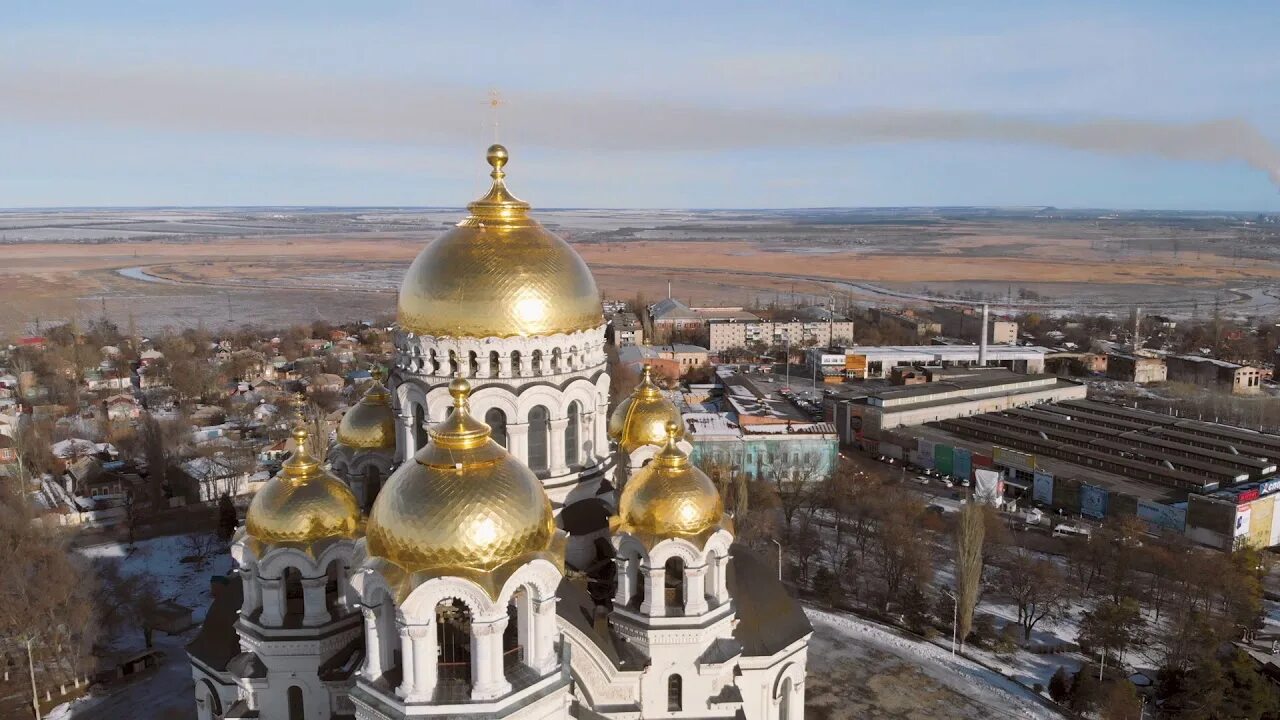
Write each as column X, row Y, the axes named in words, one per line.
column 407, row 674
column 252, row 591
column 482, row 364
column 487, row 678
column 602, row 430
column 625, row 587
column 543, row 656
column 422, row 638
column 518, row 441
column 556, row 462
column 372, row 645
column 410, row 438
column 655, row 591
column 272, row 602
column 695, row 592
column 720, row 586
column 504, row 365
column 315, row 611
column 344, row 592
column 387, row 639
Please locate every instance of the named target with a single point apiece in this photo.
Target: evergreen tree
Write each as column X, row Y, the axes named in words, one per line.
column 1060, row 685
column 228, row 519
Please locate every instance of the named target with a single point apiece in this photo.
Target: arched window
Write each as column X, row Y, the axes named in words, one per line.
column 453, row 638
column 515, row 638
column 494, row 364
column 675, row 585
column 435, row 363
column 453, row 363
column 535, row 362
column 784, row 702
column 473, row 364
column 539, row 429
column 372, row 483
column 419, row 426
column 571, row 434
column 293, row 599
column 555, row 360
column 296, row 710
column 497, row 422
column 675, row 694
column 516, row 370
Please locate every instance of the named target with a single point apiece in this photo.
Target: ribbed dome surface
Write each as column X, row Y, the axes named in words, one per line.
column 670, row 496
column 371, row 423
column 303, row 503
column 642, row 417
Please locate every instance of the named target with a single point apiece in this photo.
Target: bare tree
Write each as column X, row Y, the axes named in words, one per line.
column 798, row 484
column 1036, row 586
column 899, row 556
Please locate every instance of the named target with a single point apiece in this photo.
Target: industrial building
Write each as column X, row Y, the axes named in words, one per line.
column 862, row 363
column 868, row 414
column 1136, row 368
column 966, row 324
column 1213, row 482
column 1209, row 372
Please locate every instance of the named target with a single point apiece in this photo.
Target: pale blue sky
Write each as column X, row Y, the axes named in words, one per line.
column 707, row 104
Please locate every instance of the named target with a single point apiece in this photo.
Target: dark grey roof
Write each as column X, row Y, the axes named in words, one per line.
column 769, row 619
column 247, row 665
column 576, row 606
column 217, row 641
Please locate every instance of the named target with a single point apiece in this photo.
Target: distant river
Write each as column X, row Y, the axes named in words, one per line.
column 140, row 273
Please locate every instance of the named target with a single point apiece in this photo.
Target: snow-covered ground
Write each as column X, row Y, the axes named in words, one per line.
column 161, row 558
column 858, row 669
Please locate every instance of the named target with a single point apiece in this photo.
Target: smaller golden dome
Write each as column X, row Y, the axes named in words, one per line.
column 464, row 506
column 669, row 497
column 303, row 503
column 641, row 418
column 371, row 423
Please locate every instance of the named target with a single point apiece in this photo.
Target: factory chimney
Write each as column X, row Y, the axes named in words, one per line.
column 982, row 338
column 668, row 289
column 1137, row 329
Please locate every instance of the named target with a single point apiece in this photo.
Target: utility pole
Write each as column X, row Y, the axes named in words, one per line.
column 35, row 696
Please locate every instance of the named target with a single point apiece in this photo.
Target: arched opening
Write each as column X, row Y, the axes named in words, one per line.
column 675, row 694
column 516, row 370
column 453, row 643
column 539, row 430
column 573, row 357
column 435, row 363
column 497, row 422
column 784, row 702
column 294, row 607
column 296, row 709
column 495, row 364
column 556, row 360
column 372, row 484
column 516, row 639
column 571, row 434
column 208, row 704
column 473, row 364
column 535, row 362
column 419, row 426
column 453, row 363
column 674, row 585
column 333, row 599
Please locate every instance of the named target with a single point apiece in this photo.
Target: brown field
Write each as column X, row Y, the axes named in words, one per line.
column 286, row 278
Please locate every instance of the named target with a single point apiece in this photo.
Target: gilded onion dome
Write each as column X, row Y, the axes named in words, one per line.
column 642, row 417
column 462, row 507
column 670, row 497
column 302, row 504
column 371, row 423
column 498, row 273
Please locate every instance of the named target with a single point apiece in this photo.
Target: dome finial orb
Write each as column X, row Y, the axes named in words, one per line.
column 460, row 389
column 673, row 432
column 497, row 157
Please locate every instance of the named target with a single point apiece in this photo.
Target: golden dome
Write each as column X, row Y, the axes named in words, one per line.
column 303, row 503
column 669, row 497
column 371, row 423
column 498, row 273
column 641, row 418
column 464, row 506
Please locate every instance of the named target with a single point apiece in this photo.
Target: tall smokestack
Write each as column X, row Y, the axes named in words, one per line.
column 668, row 289
column 1137, row 329
column 982, row 338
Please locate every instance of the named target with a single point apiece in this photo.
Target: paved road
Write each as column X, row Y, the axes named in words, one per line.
column 166, row 693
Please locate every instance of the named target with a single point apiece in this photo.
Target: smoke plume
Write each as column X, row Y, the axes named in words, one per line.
column 233, row 101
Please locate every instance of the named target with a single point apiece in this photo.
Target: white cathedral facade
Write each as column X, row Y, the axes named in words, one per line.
column 488, row 539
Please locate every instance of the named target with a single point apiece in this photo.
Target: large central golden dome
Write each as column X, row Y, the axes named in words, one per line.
column 498, row 273
column 462, row 506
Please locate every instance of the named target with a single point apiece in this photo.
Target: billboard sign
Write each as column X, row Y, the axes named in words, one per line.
column 962, row 463
column 1015, row 459
column 1244, row 514
column 1093, row 501
column 988, row 487
column 1168, row 517
column 1042, row 489
column 1244, row 497
column 942, row 459
column 1266, row 487
column 926, row 453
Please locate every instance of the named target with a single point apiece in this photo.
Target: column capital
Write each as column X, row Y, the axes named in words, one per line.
column 485, row 628
column 559, row 423
column 418, row 632
column 370, row 615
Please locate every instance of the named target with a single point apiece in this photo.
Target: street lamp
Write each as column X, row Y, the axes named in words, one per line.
column 955, row 618
column 775, row 542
